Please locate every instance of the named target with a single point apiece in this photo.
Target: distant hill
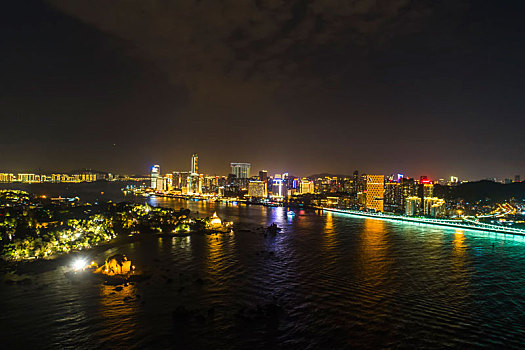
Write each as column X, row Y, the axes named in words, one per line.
column 89, row 171
column 481, row 190
column 316, row 176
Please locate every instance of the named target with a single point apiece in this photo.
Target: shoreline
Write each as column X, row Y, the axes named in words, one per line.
column 435, row 222
column 41, row 265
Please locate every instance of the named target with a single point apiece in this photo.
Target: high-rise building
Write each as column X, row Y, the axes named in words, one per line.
column 263, row 175
column 257, row 189
column 7, row 177
column 431, row 204
column 517, row 178
column 392, row 196
column 279, row 189
column 155, row 173
column 28, row 178
column 169, row 181
column 180, row 179
column 408, row 188
column 194, row 163
column 355, row 182
column 162, row 184
column 412, row 206
column 375, row 189
column 428, row 190
column 438, row 209
column 195, row 182
column 241, row 170
column 361, row 199
column 306, row 186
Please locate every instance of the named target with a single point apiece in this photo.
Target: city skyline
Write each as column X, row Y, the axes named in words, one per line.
column 262, row 174
column 271, row 173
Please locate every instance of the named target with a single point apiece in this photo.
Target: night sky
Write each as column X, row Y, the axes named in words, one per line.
column 420, row 87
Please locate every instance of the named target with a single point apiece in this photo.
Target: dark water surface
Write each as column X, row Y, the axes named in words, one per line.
column 333, row 281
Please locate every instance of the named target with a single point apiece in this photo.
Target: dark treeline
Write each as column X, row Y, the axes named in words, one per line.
column 482, row 190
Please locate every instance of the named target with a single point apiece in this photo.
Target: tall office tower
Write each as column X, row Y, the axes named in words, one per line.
column 426, row 190
column 180, row 179
column 169, row 181
column 241, row 170
column 263, row 175
column 257, row 189
column 355, row 182
column 454, row 181
column 306, row 186
column 375, row 190
column 392, row 197
column 408, row 188
column 517, row 178
column 194, row 163
column 279, row 188
column 195, row 182
column 161, row 184
column 155, row 173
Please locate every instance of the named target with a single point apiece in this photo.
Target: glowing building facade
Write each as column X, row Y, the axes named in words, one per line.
column 279, row 188
column 257, row 189
column 194, row 163
column 375, row 190
column 241, row 170
column 306, row 186
column 412, row 206
column 155, row 173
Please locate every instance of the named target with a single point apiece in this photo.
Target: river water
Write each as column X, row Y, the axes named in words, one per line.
column 331, row 280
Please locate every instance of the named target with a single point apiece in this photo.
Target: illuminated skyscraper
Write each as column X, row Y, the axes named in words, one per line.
column 375, row 189
column 408, row 188
column 194, row 163
column 263, row 175
column 241, row 170
column 433, row 206
column 426, row 190
column 412, row 206
column 195, row 182
column 392, row 196
column 155, row 173
column 257, row 189
column 279, row 188
column 306, row 186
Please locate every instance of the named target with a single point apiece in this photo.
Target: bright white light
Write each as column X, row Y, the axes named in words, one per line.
column 79, row 264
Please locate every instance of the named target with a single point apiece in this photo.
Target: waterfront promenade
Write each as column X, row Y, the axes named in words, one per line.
column 463, row 223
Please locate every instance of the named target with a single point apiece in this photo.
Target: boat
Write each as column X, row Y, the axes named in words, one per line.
column 273, row 228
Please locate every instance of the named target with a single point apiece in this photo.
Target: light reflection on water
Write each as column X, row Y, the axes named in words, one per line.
column 341, row 281
column 118, row 313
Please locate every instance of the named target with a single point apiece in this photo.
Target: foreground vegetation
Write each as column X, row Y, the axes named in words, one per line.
column 36, row 227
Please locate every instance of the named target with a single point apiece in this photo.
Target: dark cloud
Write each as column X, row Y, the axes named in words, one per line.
column 248, row 48
column 304, row 86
